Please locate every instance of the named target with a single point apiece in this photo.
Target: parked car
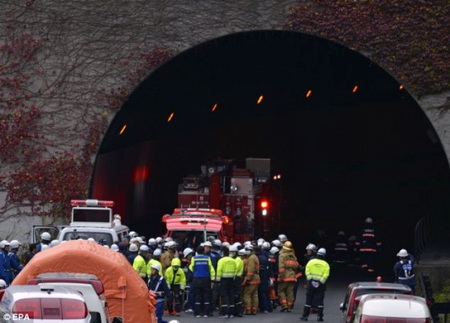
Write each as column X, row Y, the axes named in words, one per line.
column 357, row 289
column 43, row 304
column 88, row 285
column 392, row 308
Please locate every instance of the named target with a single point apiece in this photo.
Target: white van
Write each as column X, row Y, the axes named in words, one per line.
column 384, row 308
column 89, row 219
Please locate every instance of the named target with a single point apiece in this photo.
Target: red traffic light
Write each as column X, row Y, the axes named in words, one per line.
column 264, row 204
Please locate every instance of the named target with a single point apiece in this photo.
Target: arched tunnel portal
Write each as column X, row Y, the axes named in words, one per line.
column 349, row 140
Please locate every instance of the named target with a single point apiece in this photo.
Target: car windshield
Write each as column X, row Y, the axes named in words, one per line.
column 191, row 239
column 100, row 237
column 363, row 291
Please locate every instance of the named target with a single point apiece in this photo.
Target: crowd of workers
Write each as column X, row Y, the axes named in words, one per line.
column 233, row 279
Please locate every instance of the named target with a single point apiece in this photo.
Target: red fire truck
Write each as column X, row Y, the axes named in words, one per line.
column 229, row 200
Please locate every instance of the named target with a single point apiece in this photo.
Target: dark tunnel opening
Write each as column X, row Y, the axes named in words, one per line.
column 347, row 137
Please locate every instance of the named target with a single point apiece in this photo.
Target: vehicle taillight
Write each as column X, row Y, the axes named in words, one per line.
column 73, row 309
column 30, row 308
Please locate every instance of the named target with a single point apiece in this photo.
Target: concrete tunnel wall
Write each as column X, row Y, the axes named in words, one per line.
column 358, row 146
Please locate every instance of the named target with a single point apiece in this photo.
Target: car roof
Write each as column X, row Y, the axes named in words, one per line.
column 393, row 305
column 378, row 285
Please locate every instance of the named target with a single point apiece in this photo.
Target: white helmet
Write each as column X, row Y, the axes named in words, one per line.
column 226, row 244
column 187, row 251
column 114, row 247
column 402, row 253
column 266, row 245
column 152, row 242
column 44, row 246
column 259, row 242
column 157, row 267
column 158, row 240
column 369, row 220
column 54, row 243
column 274, row 250
column 234, row 248
column 167, row 239
column 144, row 248
column 277, row 243
column 311, row 247
column 133, row 247
column 133, row 234
column 46, row 236
column 157, row 252
column 4, row 243
column 91, row 239
column 218, row 243
column 322, row 252
column 15, row 244
column 3, row 284
column 282, row 238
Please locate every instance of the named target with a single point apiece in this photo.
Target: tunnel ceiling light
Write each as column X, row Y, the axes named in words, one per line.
column 122, row 130
column 260, row 99
column 214, row 107
column 308, row 94
column 401, row 87
column 355, row 88
column 171, row 117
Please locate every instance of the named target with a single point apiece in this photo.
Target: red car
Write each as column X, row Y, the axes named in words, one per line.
column 357, row 289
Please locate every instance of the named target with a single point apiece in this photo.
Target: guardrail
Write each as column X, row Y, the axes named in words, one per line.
column 435, row 308
column 422, row 235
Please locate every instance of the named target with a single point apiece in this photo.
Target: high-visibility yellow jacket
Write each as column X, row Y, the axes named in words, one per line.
column 140, row 265
column 239, row 267
column 173, row 277
column 226, row 268
column 317, row 269
column 149, row 266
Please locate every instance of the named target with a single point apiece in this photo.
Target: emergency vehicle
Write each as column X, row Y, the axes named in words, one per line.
column 229, row 201
column 89, row 219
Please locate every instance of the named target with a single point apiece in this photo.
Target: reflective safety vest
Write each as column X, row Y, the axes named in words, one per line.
column 149, row 266
column 201, row 267
column 226, row 268
column 317, row 269
column 239, row 267
column 173, row 277
column 140, row 265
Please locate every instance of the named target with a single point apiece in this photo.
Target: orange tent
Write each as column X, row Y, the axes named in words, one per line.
column 126, row 293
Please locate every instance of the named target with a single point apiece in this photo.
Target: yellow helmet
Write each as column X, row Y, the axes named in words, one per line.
column 176, row 262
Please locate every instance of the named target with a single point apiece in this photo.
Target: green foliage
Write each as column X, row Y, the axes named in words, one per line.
column 409, row 38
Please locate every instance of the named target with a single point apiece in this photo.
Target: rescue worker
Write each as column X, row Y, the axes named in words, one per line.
column 317, row 272
column 340, row 249
column 16, row 267
column 5, row 266
column 169, row 254
column 32, row 250
column 225, row 276
column 158, row 285
column 140, row 262
column 287, row 270
column 45, row 240
column 311, row 251
column 154, row 261
column 188, row 253
column 404, row 270
column 237, row 255
column 264, row 273
column 203, row 271
column 273, row 268
column 368, row 244
column 3, row 284
column 250, row 282
column 283, row 238
column 133, row 252
column 214, row 260
column 176, row 281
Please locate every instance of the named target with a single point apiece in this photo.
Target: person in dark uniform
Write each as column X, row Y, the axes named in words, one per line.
column 368, row 245
column 404, row 270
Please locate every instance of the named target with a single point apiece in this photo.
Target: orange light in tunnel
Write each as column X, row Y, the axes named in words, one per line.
column 355, row 88
column 308, row 94
column 214, row 107
column 123, row 129
column 401, row 87
column 261, row 97
column 171, row 117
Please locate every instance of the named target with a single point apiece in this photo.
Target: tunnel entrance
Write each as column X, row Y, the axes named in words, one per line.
column 348, row 138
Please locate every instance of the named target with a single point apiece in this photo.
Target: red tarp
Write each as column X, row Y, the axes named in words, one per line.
column 126, row 293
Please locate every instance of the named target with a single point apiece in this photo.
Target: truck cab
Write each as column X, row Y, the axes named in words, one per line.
column 189, row 227
column 89, row 219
